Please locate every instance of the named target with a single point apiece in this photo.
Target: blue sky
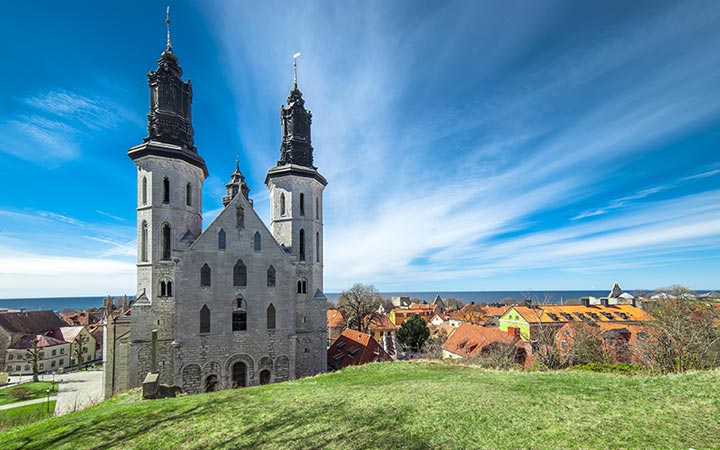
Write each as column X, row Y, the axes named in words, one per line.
column 479, row 145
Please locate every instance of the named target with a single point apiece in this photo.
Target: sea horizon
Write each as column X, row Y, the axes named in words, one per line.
column 541, row 296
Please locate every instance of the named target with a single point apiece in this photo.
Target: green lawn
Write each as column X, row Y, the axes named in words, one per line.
column 407, row 405
column 36, row 390
column 23, row 415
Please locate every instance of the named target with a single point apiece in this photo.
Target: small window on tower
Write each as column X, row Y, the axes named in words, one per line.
column 271, row 276
column 205, row 319
column 271, row 317
column 317, row 246
column 166, row 249
column 302, row 245
column 205, row 275
column 240, row 274
column 257, row 243
column 282, row 204
column 144, row 191
column 188, row 194
column 302, row 204
column 166, row 190
column 317, row 208
column 144, row 242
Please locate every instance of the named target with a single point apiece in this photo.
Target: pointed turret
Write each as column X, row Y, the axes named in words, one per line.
column 235, row 185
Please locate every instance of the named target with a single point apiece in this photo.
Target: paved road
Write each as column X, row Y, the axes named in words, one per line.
column 26, row 402
column 78, row 390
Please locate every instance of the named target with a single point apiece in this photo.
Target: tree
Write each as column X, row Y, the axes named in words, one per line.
column 359, row 305
column 413, row 333
column 684, row 335
column 79, row 348
column 453, row 304
column 33, row 355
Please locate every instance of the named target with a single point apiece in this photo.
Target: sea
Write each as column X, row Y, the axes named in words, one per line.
column 80, row 303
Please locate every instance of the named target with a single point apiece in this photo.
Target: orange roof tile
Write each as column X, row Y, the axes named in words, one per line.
column 353, row 348
column 571, row 313
column 470, row 340
column 335, row 318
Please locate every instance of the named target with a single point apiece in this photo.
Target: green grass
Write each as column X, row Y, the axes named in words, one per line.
column 36, row 390
column 407, row 405
column 24, row 415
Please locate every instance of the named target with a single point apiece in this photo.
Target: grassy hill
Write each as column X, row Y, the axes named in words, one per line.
column 406, row 405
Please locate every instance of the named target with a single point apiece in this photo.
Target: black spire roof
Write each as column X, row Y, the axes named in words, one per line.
column 170, row 130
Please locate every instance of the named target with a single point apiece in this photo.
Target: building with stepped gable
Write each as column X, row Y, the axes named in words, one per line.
column 237, row 303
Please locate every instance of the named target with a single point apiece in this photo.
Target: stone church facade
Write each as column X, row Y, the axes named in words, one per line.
column 238, row 303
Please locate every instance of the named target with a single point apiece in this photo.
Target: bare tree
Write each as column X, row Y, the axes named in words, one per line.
column 684, row 335
column 500, row 355
column 33, row 355
column 79, row 348
column 360, row 306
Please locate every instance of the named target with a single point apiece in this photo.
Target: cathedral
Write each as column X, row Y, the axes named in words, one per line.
column 238, row 303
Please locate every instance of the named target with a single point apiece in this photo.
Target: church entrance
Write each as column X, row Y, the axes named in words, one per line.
column 239, row 373
column 264, row 376
column 211, row 383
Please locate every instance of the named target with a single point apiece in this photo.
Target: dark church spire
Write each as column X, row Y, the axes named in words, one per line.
column 170, row 130
column 170, row 119
column 296, row 145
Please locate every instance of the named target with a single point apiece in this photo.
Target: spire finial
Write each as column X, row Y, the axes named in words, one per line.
column 167, row 22
column 295, row 57
column 237, row 161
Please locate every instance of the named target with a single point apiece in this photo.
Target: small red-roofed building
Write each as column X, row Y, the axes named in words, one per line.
column 400, row 315
column 354, row 348
column 75, row 336
column 383, row 331
column 470, row 341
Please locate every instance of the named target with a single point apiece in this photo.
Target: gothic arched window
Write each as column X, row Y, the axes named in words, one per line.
column 302, row 245
column 282, row 204
column 169, row 289
column 221, row 239
column 271, row 317
column 302, row 286
column 205, row 275
column 271, row 276
column 317, row 208
column 166, row 190
column 144, row 242
column 144, row 191
column 240, row 274
column 166, row 242
column 205, row 319
column 188, row 194
column 163, row 289
column 257, row 244
column 302, row 204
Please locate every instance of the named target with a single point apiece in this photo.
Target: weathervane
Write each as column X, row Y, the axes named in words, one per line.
column 295, row 57
column 167, row 21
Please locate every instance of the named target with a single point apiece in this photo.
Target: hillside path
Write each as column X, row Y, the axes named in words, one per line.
column 78, row 390
column 26, row 402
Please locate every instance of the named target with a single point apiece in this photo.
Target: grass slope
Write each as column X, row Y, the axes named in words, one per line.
column 23, row 415
column 407, row 405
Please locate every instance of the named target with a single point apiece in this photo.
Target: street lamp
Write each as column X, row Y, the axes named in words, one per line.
column 48, row 400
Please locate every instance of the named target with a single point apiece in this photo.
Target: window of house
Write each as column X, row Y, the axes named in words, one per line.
column 52, row 363
column 144, row 242
column 144, row 191
column 62, row 351
column 302, row 204
column 240, row 274
column 282, row 204
column 271, row 276
column 257, row 244
column 188, row 194
column 166, row 242
column 166, row 190
column 205, row 275
column 302, row 245
column 271, row 317
column 221, row 239
column 10, row 357
column 62, row 361
column 54, row 352
column 205, row 319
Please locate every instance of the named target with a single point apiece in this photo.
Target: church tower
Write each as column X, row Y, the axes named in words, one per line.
column 296, row 189
column 170, row 174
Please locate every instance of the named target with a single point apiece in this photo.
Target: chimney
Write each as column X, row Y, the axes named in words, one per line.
column 585, row 301
column 604, row 301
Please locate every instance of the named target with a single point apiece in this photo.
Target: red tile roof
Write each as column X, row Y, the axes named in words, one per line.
column 67, row 334
column 28, row 322
column 470, row 340
column 26, row 342
column 335, row 318
column 353, row 348
column 382, row 323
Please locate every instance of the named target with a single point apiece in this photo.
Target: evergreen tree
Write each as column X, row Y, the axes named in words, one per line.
column 413, row 333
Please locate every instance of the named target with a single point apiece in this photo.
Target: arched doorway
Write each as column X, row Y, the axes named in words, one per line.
column 239, row 373
column 264, row 376
column 211, row 383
